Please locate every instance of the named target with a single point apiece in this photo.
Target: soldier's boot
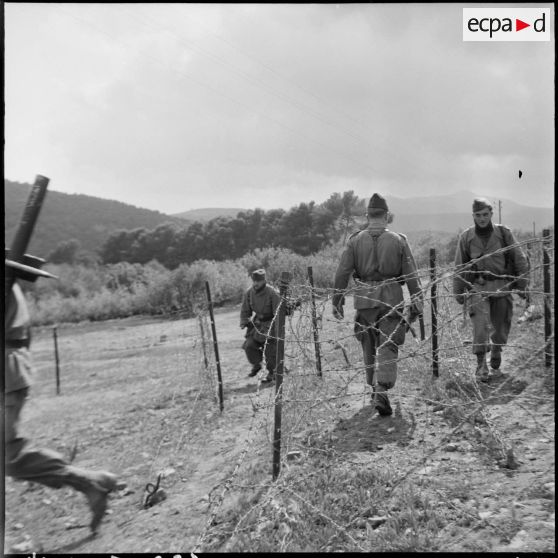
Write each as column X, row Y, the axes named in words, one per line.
column 96, row 485
column 482, row 369
column 255, row 369
column 269, row 378
column 495, row 357
column 381, row 401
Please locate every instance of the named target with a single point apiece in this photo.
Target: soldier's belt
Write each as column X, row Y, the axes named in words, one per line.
column 376, row 281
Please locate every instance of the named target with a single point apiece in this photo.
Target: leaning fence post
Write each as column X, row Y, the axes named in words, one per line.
column 547, row 310
column 315, row 323
column 434, row 305
column 56, row 359
column 280, row 359
column 215, row 345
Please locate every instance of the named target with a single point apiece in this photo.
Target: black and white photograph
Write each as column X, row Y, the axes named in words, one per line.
column 279, row 278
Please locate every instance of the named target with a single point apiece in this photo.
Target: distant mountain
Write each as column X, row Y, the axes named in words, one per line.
column 446, row 213
column 91, row 220
column 453, row 212
column 208, row 213
column 87, row 219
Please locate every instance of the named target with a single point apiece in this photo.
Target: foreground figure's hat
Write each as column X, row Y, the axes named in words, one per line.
column 29, row 269
column 258, row 275
column 481, row 203
column 377, row 202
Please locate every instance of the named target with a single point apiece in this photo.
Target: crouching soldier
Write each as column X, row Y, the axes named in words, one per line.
column 257, row 314
column 27, row 464
column 489, row 266
column 380, row 262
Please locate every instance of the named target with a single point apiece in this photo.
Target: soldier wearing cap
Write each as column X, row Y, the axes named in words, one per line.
column 381, row 262
column 489, row 266
column 257, row 314
column 23, row 463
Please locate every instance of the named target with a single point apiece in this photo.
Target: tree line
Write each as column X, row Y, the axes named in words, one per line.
column 304, row 229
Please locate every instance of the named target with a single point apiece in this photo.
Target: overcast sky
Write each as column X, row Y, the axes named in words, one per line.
column 174, row 107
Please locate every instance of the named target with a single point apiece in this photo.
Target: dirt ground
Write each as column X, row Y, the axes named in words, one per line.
column 134, row 399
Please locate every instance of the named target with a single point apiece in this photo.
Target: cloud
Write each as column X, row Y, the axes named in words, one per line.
column 177, row 106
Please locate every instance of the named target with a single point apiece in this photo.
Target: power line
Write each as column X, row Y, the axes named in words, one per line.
column 282, row 77
column 220, row 92
column 247, row 77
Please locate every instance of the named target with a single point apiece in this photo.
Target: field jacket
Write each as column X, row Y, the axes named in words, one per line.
column 496, row 268
column 259, row 308
column 18, row 367
column 380, row 262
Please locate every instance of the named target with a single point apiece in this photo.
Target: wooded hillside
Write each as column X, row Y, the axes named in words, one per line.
column 87, row 219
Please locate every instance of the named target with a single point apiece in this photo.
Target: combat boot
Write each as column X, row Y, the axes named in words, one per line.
column 255, row 369
column 269, row 378
column 381, row 401
column 482, row 368
column 96, row 485
column 495, row 357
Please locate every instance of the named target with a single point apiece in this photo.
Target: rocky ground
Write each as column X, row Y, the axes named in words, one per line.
column 135, row 399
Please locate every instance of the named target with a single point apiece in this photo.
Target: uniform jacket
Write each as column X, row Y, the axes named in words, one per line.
column 381, row 262
column 259, row 307
column 18, row 368
column 499, row 266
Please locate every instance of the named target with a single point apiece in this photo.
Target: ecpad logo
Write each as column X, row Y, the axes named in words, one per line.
column 506, row 24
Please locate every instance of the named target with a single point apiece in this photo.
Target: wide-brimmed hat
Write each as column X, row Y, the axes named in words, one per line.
column 29, row 268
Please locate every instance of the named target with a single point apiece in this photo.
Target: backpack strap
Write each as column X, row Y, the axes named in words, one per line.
column 507, row 255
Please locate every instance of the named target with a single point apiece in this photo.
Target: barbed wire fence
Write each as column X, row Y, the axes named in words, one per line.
column 321, row 383
column 325, row 382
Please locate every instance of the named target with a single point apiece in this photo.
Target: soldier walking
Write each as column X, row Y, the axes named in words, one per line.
column 27, row 464
column 257, row 313
column 380, row 262
column 489, row 266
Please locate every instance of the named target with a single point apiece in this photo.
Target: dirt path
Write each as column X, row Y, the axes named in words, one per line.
column 134, row 401
column 130, row 426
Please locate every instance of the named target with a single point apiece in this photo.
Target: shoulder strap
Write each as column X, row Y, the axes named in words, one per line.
column 509, row 255
column 503, row 231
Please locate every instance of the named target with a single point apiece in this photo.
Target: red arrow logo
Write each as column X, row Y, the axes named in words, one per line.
column 519, row 25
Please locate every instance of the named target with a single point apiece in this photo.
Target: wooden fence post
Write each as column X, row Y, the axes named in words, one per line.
column 434, row 305
column 280, row 329
column 215, row 345
column 315, row 323
column 57, row 360
column 547, row 310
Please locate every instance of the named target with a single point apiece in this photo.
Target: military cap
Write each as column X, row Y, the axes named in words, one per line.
column 377, row 202
column 29, row 269
column 481, row 203
column 258, row 274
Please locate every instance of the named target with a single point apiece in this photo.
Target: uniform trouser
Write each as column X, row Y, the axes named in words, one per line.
column 42, row 466
column 490, row 312
column 380, row 334
column 255, row 350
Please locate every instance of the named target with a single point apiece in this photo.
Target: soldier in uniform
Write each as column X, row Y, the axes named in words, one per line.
column 380, row 261
column 257, row 314
column 23, row 463
column 489, row 266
